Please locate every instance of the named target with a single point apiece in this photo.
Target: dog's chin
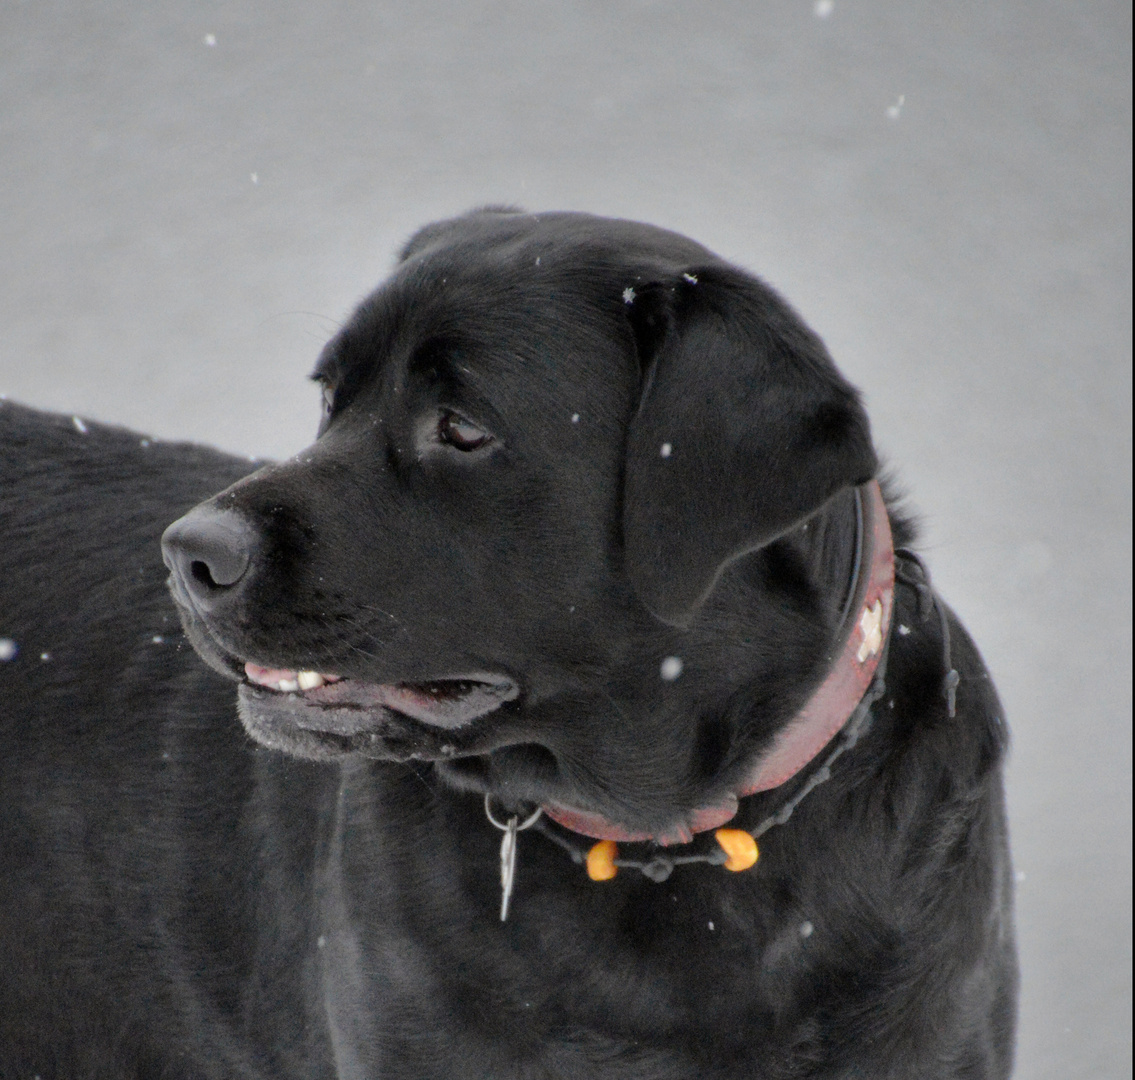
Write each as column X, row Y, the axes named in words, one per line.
column 396, row 722
column 274, row 724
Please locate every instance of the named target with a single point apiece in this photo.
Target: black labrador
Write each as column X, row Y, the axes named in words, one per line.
column 602, row 722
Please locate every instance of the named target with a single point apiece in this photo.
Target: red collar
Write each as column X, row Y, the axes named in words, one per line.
column 853, row 662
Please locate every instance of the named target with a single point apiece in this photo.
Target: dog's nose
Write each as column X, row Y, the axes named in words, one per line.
column 209, row 552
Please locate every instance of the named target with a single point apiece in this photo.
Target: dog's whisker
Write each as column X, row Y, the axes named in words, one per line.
column 333, row 325
column 402, row 628
column 334, row 626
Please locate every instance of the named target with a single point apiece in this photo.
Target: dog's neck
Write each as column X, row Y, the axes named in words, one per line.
column 852, row 661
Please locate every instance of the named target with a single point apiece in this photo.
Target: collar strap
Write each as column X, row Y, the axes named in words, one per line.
column 852, row 663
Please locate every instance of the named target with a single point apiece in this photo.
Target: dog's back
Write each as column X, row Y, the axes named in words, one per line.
column 99, row 696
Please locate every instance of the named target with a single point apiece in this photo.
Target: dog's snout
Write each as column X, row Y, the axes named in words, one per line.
column 209, row 551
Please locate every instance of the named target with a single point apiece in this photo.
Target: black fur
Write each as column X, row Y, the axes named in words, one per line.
column 179, row 900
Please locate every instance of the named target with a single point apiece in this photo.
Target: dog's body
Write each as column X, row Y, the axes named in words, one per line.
column 578, row 533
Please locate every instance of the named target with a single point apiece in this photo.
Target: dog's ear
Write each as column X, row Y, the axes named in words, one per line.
column 744, row 428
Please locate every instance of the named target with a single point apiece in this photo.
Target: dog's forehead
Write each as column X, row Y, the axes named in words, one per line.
column 528, row 312
column 523, row 273
column 506, row 291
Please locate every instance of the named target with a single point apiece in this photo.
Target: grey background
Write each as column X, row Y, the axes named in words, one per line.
column 193, row 195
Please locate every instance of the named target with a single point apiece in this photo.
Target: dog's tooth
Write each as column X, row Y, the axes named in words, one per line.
column 309, row 680
column 287, row 686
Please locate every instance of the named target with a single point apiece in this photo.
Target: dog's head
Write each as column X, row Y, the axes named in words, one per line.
column 572, row 527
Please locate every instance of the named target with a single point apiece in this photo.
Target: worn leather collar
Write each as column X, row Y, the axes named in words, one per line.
column 852, row 662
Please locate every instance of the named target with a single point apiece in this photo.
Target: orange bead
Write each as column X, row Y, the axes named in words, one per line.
column 739, row 846
column 601, row 861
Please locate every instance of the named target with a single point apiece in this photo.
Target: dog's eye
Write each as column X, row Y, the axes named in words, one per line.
column 454, row 430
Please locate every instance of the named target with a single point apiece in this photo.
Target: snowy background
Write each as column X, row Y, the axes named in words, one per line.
column 192, row 195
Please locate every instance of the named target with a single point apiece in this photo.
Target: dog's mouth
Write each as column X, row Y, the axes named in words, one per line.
column 345, row 706
column 323, row 715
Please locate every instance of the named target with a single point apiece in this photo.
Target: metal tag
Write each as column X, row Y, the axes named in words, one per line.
column 508, row 863
column 508, row 848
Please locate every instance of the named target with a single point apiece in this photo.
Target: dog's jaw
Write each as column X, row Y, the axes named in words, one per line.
column 392, row 722
column 339, row 706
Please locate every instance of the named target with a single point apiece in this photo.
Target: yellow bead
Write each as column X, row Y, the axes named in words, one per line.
column 739, row 846
column 601, row 861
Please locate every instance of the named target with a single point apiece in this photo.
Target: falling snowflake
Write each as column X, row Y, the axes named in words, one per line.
column 671, row 668
column 628, row 295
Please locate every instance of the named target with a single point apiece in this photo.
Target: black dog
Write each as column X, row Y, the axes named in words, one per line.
column 586, row 582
